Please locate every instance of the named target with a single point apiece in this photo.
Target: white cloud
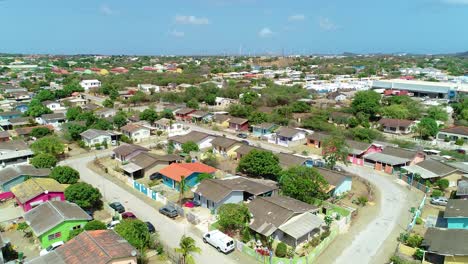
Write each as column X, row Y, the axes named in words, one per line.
column 326, row 24
column 456, row 2
column 193, row 20
column 107, row 10
column 265, row 32
column 177, row 34
column 297, row 17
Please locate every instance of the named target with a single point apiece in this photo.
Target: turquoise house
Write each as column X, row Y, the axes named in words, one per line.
column 339, row 182
column 263, row 129
column 10, row 115
column 456, row 214
column 12, row 176
column 173, row 174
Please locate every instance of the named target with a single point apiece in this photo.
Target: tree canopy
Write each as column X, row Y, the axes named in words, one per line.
column 84, row 195
column 39, row 132
column 367, row 102
column 149, row 115
column 44, row 160
column 304, row 184
column 260, row 163
column 50, row 145
column 427, row 127
column 95, row 225
column 233, row 216
column 335, row 149
column 135, row 232
column 189, row 146
column 65, row 175
column 187, row 246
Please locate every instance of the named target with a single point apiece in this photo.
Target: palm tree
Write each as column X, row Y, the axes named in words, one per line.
column 182, row 188
column 187, row 247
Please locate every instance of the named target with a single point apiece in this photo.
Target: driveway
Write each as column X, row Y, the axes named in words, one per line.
column 170, row 231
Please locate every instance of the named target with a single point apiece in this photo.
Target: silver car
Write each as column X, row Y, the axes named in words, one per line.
column 439, row 201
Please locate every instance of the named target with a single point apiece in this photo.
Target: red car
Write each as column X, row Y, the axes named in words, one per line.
column 128, row 215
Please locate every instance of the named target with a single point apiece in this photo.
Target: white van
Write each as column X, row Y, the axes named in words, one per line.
column 219, row 240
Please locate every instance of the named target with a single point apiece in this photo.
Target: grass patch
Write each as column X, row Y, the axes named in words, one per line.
column 337, row 209
column 214, row 226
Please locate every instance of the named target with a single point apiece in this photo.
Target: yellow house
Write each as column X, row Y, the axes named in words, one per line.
column 221, row 120
column 225, row 147
column 442, row 245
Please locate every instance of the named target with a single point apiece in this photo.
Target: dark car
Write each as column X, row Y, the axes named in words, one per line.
column 245, row 142
column 117, row 207
column 169, row 211
column 150, row 226
column 128, row 215
column 242, row 135
column 461, row 151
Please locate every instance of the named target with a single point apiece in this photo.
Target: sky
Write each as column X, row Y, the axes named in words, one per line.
column 246, row 27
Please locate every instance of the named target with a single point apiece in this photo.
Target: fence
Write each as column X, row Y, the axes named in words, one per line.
column 147, row 191
column 410, row 180
column 308, row 259
column 417, row 213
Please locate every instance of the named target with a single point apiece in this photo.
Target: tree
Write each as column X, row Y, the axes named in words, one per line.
column 109, row 103
column 50, row 145
column 88, row 117
column 75, row 232
column 102, row 124
column 427, row 127
column 203, row 176
column 249, row 98
column 257, row 118
column 44, row 95
column 238, row 110
column 73, row 112
column 65, row 175
column 135, row 232
column 84, row 195
column 149, row 115
column 193, row 103
column 437, row 113
column 36, row 108
column 189, row 146
column 300, row 107
column 335, row 149
column 120, row 119
column 395, row 111
column 364, row 134
column 95, row 225
column 166, row 113
column 182, row 188
column 39, row 132
column 233, row 216
column 187, row 247
column 304, row 184
column 74, row 131
column 281, row 250
column 367, row 102
column 260, row 163
column 442, row 184
column 44, row 160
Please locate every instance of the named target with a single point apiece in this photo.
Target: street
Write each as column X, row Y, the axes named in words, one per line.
column 170, row 231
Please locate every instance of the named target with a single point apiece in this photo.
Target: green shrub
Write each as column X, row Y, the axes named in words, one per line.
column 362, row 200
column 419, row 221
column 414, row 241
column 315, row 241
column 442, row 184
column 325, row 235
column 437, row 193
column 22, row 226
column 460, row 142
column 281, row 250
column 419, row 254
column 403, row 237
column 246, row 235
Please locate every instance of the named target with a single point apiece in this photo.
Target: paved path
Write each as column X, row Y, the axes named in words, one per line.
column 170, row 231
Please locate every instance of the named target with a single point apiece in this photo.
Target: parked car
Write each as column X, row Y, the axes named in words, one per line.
column 117, row 207
column 461, row 151
column 219, row 240
column 112, row 224
column 150, row 226
column 439, row 201
column 245, row 142
column 169, row 211
column 242, row 135
column 50, row 248
column 128, row 215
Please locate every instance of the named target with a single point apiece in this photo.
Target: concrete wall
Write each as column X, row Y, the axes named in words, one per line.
column 345, row 186
column 42, row 198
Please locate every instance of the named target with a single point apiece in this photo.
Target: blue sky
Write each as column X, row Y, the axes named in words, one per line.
column 224, row 26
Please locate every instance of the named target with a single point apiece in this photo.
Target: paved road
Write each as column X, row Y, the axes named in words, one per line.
column 169, row 231
column 372, row 241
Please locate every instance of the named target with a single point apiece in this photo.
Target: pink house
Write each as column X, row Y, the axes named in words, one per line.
column 392, row 159
column 357, row 150
column 36, row 191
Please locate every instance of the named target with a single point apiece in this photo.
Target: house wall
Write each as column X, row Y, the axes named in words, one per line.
column 205, row 143
column 457, row 223
column 243, row 127
column 453, row 179
column 345, row 186
column 456, row 259
column 42, row 198
column 233, row 197
column 96, row 140
column 139, row 135
column 313, row 143
column 452, row 137
column 64, row 228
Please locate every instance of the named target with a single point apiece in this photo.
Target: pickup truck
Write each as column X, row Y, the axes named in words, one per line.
column 219, row 240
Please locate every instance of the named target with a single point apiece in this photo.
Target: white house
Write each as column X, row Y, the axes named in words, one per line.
column 288, row 137
column 169, row 126
column 105, row 112
column 223, row 103
column 92, row 137
column 56, row 120
column 203, row 140
column 89, row 84
column 148, row 87
column 136, row 132
column 53, row 106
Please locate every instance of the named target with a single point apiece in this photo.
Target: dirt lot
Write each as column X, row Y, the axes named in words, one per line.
column 28, row 245
column 359, row 188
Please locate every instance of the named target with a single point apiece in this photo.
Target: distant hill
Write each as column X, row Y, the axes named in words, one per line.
column 462, row 55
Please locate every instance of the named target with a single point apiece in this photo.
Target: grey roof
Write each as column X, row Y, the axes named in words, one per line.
column 461, row 166
column 223, row 142
column 237, row 120
column 357, row 147
column 245, row 149
column 393, row 122
column 94, row 133
column 52, row 213
column 334, row 178
column 11, row 173
column 21, row 120
column 271, row 212
column 4, row 134
column 221, row 118
column 399, row 152
column 319, row 136
column 264, row 125
column 193, row 136
column 184, row 111
column 456, row 208
column 163, row 121
column 300, row 225
column 448, row 242
column 198, row 114
column 290, row 160
column 131, row 167
column 146, row 159
column 216, row 190
column 127, row 149
column 386, row 159
column 14, row 145
column 288, row 132
column 54, row 116
column 412, row 86
column 431, row 169
column 9, row 113
column 462, row 188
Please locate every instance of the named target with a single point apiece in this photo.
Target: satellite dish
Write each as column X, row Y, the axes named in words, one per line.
column 134, row 253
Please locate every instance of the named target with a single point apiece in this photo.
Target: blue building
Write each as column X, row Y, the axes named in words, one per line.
column 263, row 129
column 339, row 182
column 456, row 214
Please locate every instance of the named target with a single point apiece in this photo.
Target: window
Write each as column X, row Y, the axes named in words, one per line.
column 54, row 236
column 76, row 227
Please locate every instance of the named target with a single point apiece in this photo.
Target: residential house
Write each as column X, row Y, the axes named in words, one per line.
column 36, row 191
column 392, row 159
column 280, row 217
column 442, row 245
column 125, row 151
column 172, row 174
column 434, row 170
column 212, row 193
column 263, row 129
column 4, row 136
column 53, row 106
column 456, row 214
column 93, row 136
column 105, row 112
column 225, row 147
column 454, row 133
column 14, row 175
column 183, row 114
column 21, row 96
column 289, row 160
column 203, row 140
column 339, row 183
column 22, row 121
column 221, row 120
column 26, row 131
column 90, row 84
column 222, row 103
column 52, row 221
column 56, row 120
column 245, row 149
column 135, row 132
column 148, row 88
column 238, row 124
column 94, row 246
column 357, row 150
column 148, row 165
column 199, row 116
column 14, row 152
column 10, row 115
column 316, row 139
column 169, row 126
column 288, row 137
column 462, row 189
column 396, row 126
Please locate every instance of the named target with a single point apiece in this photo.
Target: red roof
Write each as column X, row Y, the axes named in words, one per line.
column 176, row 170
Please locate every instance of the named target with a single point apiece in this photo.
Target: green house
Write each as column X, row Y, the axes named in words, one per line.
column 52, row 221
